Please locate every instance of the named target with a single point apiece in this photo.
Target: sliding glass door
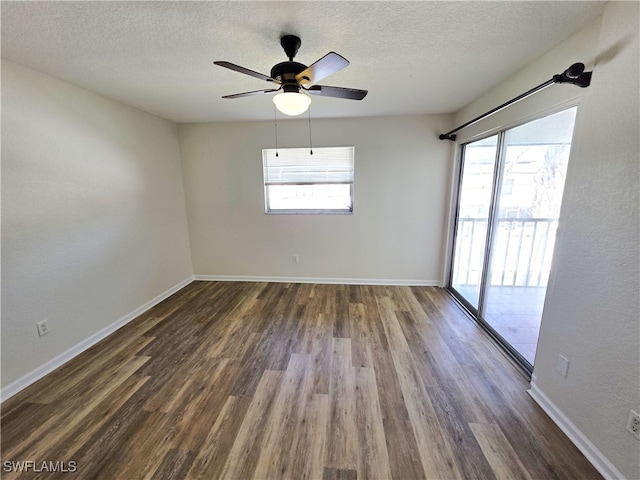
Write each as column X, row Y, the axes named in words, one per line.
column 509, row 196
column 477, row 172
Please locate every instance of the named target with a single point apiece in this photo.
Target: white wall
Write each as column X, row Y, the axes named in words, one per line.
column 592, row 311
column 580, row 47
column 93, row 215
column 591, row 314
column 395, row 233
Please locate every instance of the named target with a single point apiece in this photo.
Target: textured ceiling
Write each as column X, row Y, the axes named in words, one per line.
column 413, row 57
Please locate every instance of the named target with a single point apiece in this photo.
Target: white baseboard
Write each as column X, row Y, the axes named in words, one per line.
column 321, row 280
column 31, row 377
column 579, row 439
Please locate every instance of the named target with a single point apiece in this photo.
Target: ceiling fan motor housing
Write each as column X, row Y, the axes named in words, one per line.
column 287, row 70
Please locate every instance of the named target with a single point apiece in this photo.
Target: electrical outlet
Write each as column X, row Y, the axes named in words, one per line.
column 43, row 327
column 633, row 425
column 562, row 365
column 294, row 258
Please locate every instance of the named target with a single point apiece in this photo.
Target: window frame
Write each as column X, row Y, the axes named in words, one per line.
column 269, row 210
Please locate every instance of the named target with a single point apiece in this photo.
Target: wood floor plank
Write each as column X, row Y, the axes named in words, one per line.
column 339, row 474
column 341, row 429
column 393, row 331
column 406, row 301
column 321, row 354
column 208, row 394
column 289, row 334
column 503, row 459
column 274, row 461
column 262, row 317
column 326, row 295
column 215, row 449
column 179, row 390
column 66, row 417
column 550, row 457
column 442, row 370
column 240, row 380
column 404, row 456
column 303, row 295
column 175, row 465
column 143, row 451
column 256, row 365
column 63, row 444
column 360, row 336
column 69, row 379
column 373, row 458
column 436, row 453
column 243, row 457
column 355, row 293
column 310, row 439
column 341, row 327
column 423, row 344
column 469, row 456
column 21, row 420
column 107, row 450
column 230, row 336
column 310, row 317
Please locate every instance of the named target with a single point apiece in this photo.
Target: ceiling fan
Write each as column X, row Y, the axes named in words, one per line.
column 295, row 78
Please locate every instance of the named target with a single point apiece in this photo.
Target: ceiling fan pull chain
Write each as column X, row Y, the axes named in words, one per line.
column 310, row 144
column 275, row 122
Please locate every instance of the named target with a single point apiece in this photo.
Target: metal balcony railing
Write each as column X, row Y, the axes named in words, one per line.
column 521, row 253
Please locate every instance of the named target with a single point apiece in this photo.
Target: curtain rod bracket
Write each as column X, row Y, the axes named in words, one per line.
column 574, row 75
column 583, row 81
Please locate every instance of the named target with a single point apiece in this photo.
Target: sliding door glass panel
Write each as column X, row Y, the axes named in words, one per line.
column 524, row 229
column 474, row 201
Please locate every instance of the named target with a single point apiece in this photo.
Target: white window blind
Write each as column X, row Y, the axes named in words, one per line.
column 297, row 182
column 296, row 166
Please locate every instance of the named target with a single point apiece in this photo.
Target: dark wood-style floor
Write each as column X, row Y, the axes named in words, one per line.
column 296, row 381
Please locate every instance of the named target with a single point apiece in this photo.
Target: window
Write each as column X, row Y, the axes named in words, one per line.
column 297, row 182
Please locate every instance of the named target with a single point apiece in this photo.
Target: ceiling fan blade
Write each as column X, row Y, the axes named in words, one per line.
column 327, row 65
column 338, row 92
column 246, row 71
column 248, row 94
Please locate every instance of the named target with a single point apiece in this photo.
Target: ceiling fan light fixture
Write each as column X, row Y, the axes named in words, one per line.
column 292, row 103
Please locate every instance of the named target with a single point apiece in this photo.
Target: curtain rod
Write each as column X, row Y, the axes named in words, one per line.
column 575, row 75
